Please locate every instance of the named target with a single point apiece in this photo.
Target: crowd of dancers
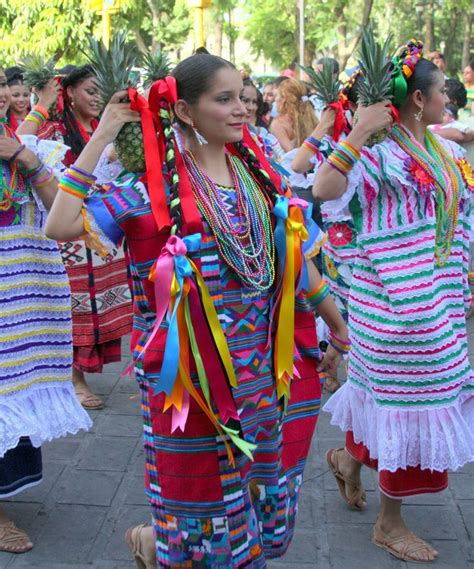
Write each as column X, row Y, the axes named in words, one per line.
column 263, row 245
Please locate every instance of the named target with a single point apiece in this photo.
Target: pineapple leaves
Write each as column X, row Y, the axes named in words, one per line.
column 327, row 87
column 37, row 71
column 375, row 84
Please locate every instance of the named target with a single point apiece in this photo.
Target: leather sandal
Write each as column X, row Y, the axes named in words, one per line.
column 358, row 493
column 89, row 401
column 403, row 547
column 145, row 557
column 13, row 539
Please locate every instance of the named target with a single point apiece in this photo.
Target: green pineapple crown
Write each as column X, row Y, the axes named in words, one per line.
column 156, row 66
column 375, row 84
column 112, row 65
column 327, row 88
column 37, row 70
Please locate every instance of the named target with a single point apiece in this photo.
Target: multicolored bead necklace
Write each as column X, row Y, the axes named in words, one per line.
column 448, row 182
column 246, row 244
column 12, row 187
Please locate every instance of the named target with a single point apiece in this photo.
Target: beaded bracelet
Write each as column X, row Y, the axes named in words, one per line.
column 312, row 144
column 341, row 346
column 76, row 182
column 470, row 280
column 344, row 157
column 37, row 115
column 317, row 295
column 18, row 151
column 39, row 176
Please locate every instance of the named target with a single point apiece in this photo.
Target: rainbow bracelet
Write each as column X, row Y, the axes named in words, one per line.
column 470, row 280
column 343, row 157
column 76, row 182
column 39, row 176
column 317, row 295
column 341, row 346
column 312, row 144
column 37, row 115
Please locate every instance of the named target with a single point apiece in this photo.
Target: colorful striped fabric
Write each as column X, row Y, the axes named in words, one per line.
column 409, row 394
column 206, row 512
column 36, row 395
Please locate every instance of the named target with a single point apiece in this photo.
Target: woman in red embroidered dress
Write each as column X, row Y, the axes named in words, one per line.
column 101, row 298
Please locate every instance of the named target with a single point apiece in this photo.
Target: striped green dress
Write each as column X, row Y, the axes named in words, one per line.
column 409, row 397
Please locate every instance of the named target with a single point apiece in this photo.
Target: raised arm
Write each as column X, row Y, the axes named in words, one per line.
column 302, row 162
column 331, row 182
column 65, row 220
column 39, row 113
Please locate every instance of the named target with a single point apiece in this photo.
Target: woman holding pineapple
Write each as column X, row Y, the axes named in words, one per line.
column 408, row 404
column 217, row 244
column 101, row 298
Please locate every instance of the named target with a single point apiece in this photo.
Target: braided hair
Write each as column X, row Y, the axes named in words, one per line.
column 73, row 136
column 194, row 76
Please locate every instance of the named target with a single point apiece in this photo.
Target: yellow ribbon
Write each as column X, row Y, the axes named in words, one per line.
column 216, row 328
column 295, row 232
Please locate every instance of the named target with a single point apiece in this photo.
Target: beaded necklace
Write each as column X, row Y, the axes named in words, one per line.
column 447, row 180
column 12, row 186
column 246, row 244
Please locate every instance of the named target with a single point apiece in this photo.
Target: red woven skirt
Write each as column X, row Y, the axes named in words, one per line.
column 91, row 359
column 403, row 482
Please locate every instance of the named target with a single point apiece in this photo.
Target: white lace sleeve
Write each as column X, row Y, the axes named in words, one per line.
column 49, row 152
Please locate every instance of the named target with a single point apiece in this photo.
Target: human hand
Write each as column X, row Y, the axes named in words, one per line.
column 374, row 118
column 330, row 362
column 326, row 123
column 49, row 94
column 115, row 115
column 8, row 147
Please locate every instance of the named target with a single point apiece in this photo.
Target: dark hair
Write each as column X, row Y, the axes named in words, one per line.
column 67, row 69
column 262, row 107
column 456, row 92
column 279, row 80
column 194, row 76
column 423, row 77
column 14, row 76
column 333, row 62
column 452, row 109
column 73, row 136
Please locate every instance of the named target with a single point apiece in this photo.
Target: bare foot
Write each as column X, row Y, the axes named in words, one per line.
column 399, row 541
column 86, row 397
column 347, row 473
column 13, row 539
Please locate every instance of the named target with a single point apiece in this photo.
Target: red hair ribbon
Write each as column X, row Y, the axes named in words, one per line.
column 153, row 161
column 340, row 122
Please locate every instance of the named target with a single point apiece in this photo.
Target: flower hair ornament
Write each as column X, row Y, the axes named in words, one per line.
column 404, row 63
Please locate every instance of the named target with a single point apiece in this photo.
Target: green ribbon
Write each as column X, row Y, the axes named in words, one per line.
column 399, row 84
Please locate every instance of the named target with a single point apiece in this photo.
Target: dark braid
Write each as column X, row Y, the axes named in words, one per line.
column 171, row 171
column 256, row 169
column 73, row 136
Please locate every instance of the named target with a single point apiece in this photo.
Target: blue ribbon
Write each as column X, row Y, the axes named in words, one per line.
column 182, row 270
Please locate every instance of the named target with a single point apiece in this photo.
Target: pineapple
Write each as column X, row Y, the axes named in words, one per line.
column 36, row 71
column 327, row 88
column 156, row 65
column 375, row 84
column 112, row 67
column 36, row 74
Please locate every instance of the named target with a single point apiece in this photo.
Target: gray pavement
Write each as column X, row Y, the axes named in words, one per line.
column 93, row 491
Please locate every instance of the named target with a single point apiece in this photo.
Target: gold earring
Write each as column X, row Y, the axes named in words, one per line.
column 419, row 115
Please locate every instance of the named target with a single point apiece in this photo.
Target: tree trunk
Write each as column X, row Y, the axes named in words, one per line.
column 140, row 41
column 155, row 18
column 348, row 49
column 218, row 34
column 466, row 45
column 429, row 43
column 451, row 39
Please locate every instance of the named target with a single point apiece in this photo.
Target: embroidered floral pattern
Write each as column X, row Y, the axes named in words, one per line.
column 340, row 234
column 423, row 181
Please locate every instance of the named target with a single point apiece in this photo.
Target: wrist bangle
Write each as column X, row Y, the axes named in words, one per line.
column 312, row 144
column 341, row 346
column 344, row 157
column 317, row 295
column 42, row 111
column 19, row 150
column 76, row 182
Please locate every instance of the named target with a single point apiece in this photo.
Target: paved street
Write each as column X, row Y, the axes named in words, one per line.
column 93, row 491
